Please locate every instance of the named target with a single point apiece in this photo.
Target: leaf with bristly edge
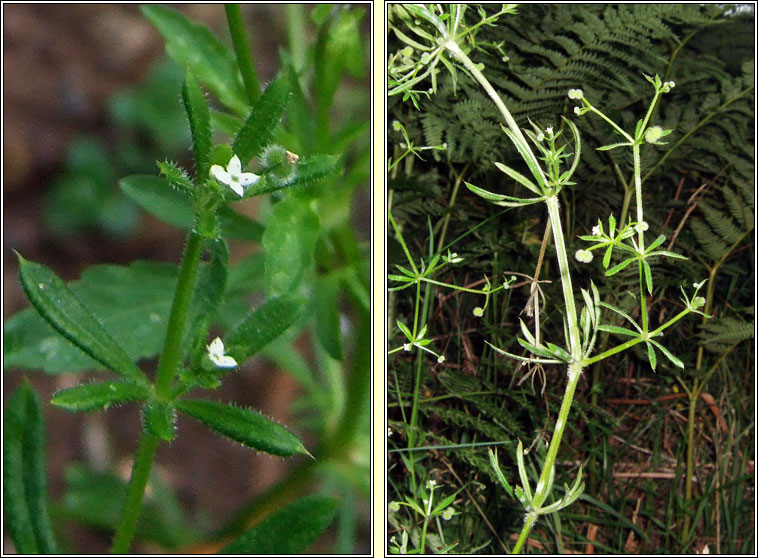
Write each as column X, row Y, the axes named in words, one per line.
column 25, row 498
column 288, row 530
column 245, row 426
column 62, row 310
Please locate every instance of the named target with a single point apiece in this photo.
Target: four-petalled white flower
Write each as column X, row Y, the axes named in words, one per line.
column 233, row 176
column 216, row 354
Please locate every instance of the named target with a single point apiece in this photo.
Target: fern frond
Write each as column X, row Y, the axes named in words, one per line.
column 719, row 333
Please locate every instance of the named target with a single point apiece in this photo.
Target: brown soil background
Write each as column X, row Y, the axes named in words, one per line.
column 61, row 63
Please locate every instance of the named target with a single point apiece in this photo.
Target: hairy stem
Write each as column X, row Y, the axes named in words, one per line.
column 143, row 462
column 172, row 347
column 540, row 494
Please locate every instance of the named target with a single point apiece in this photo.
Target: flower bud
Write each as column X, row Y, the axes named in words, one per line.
column 653, row 134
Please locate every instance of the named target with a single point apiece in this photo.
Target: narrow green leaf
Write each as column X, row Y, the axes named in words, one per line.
column 526, row 333
column 327, row 312
column 536, row 350
column 62, row 310
column 258, row 129
column 518, row 177
column 616, row 268
column 134, row 299
column 289, row 530
column 618, row 329
column 98, row 395
column 408, row 272
column 404, row 329
column 648, row 276
column 245, row 426
column 24, row 476
column 668, row 354
column 607, row 256
column 288, row 243
column 299, row 114
column 193, row 46
column 339, row 47
column 529, row 159
column 657, row 242
column 307, row 171
column 669, row 254
column 577, row 151
column 200, row 125
column 176, row 176
column 445, row 502
column 207, row 295
column 157, row 197
column 159, row 418
column 621, row 313
column 522, row 471
column 262, row 326
column 613, row 146
column 499, row 473
column 651, row 355
column 500, row 199
column 559, row 352
column 589, row 303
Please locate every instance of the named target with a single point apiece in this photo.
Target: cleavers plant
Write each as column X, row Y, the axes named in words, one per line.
column 437, row 37
column 116, row 317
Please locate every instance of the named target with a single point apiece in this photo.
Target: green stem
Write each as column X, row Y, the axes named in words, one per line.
column 422, row 546
column 540, row 494
column 693, row 397
column 450, row 205
column 297, row 35
column 633, row 342
column 143, row 462
column 172, row 347
column 640, row 232
column 456, row 51
column 242, row 51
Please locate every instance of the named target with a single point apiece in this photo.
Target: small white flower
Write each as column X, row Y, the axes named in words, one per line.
column 431, row 483
column 233, row 176
column 216, row 354
column 577, row 111
column 448, row 514
column 407, row 347
column 584, row 256
column 549, row 130
column 452, row 257
column 596, row 230
column 389, row 432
